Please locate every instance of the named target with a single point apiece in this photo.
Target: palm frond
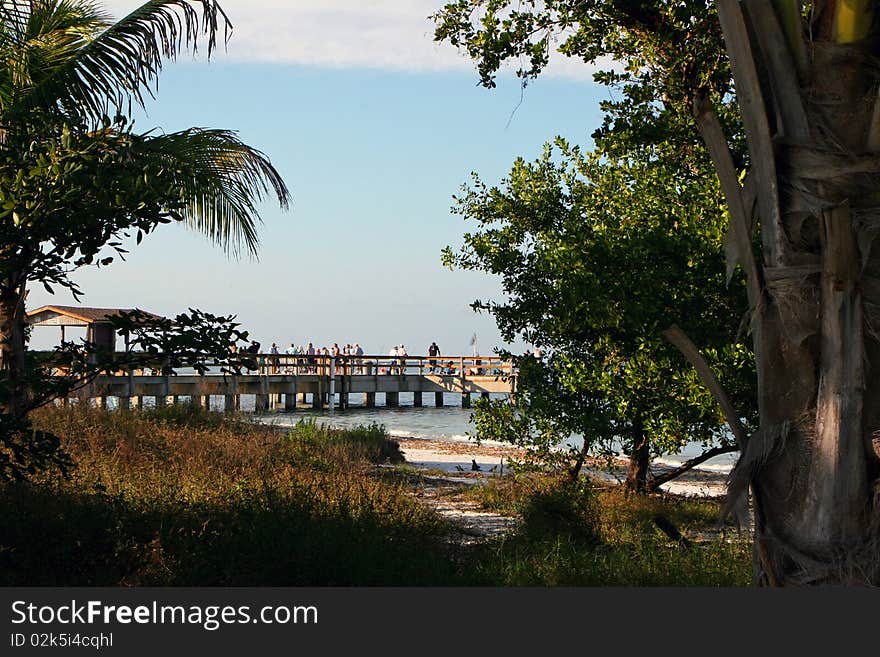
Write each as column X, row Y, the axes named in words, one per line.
column 14, row 16
column 100, row 65
column 221, row 180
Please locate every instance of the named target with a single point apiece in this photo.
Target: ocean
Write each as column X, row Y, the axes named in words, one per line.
column 450, row 423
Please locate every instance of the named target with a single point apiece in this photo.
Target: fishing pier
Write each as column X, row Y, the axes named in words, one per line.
column 318, row 382
column 274, row 380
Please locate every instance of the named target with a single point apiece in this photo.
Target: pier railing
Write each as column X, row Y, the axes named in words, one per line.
column 376, row 365
column 143, row 364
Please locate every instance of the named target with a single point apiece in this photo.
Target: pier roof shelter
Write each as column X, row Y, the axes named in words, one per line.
column 99, row 330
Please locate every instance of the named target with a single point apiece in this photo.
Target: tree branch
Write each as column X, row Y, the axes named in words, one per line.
column 658, row 480
column 683, row 343
column 760, row 140
column 740, row 215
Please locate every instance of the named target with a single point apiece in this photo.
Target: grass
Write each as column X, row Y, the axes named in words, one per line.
column 185, row 497
column 179, row 496
column 584, row 534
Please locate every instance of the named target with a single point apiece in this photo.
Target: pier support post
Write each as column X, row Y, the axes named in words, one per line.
column 417, row 399
column 262, row 400
column 465, row 400
column 331, row 393
column 392, row 399
column 438, row 399
column 232, row 400
column 139, row 400
column 370, row 399
column 125, row 402
column 290, row 397
column 161, row 400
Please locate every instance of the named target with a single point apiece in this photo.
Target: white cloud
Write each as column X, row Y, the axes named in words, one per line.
column 392, row 35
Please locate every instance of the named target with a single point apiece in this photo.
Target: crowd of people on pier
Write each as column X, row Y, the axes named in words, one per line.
column 306, row 358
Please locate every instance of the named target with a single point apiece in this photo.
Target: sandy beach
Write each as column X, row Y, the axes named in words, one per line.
column 456, row 461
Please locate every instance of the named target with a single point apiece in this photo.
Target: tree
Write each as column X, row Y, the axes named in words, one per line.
column 805, row 80
column 75, row 178
column 597, row 257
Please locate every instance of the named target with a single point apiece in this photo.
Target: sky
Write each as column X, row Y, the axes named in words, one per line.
column 374, row 127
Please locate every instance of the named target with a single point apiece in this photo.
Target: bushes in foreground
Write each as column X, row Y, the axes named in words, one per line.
column 181, row 496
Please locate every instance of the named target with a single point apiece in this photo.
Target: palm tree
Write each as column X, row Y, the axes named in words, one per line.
column 69, row 79
column 69, row 60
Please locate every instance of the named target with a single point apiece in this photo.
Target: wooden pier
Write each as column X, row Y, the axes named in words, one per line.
column 321, row 382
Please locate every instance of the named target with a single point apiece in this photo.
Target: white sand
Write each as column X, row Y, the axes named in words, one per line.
column 456, row 459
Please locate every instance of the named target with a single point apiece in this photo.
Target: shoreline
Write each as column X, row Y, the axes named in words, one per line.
column 456, row 460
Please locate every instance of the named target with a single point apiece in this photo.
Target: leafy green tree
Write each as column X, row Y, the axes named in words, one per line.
column 75, row 178
column 805, row 78
column 597, row 257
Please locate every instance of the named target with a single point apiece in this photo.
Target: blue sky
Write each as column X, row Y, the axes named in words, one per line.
column 373, row 130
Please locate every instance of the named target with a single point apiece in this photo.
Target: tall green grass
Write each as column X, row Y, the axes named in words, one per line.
column 187, row 497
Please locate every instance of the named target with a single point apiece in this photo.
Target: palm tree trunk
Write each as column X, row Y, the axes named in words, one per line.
column 808, row 116
column 812, row 489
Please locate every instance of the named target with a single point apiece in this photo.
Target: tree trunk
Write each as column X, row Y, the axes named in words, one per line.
column 812, row 467
column 637, row 471
column 12, row 347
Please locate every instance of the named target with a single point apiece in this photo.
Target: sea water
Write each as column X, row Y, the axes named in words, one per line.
column 449, row 423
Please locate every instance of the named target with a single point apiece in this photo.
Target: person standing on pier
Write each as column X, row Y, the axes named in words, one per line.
column 401, row 354
column 310, row 352
column 335, row 353
column 358, row 354
column 291, row 363
column 253, row 349
column 273, row 358
column 433, row 352
column 391, row 362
